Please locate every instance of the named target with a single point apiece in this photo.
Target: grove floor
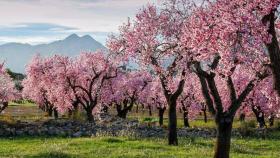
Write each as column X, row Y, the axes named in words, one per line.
column 109, row 147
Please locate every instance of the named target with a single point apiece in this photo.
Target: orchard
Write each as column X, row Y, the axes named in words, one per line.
column 213, row 59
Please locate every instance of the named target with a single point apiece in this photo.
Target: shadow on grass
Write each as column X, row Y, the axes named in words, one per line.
column 113, row 140
column 53, row 154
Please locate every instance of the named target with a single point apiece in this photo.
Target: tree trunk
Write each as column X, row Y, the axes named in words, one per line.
column 271, row 120
column 259, row 115
column 150, row 111
column 273, row 50
column 70, row 113
column 55, row 113
column 186, row 117
column 5, row 105
column 137, row 108
column 222, row 147
column 205, row 116
column 242, row 117
column 89, row 115
column 105, row 109
column 50, row 112
column 160, row 114
column 122, row 113
column 172, row 124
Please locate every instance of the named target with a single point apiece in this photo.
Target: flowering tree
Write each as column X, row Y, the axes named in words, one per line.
column 264, row 102
column 223, row 50
column 34, row 87
column 152, row 40
column 125, row 90
column 153, row 97
column 8, row 90
column 190, row 101
column 68, row 83
column 260, row 19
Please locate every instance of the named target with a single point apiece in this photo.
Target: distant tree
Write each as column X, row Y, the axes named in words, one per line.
column 124, row 91
column 68, row 83
column 8, row 91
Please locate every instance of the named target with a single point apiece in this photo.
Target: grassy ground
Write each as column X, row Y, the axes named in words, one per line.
column 120, row 147
column 125, row 148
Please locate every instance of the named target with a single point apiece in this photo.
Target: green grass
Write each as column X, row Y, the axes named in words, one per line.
column 24, row 103
column 120, row 147
column 125, row 148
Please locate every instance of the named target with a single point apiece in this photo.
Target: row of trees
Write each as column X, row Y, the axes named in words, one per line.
column 223, row 54
column 230, row 45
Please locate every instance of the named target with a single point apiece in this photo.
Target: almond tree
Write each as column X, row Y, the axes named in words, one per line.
column 189, row 101
column 8, row 90
column 124, row 90
column 152, row 41
column 230, row 62
column 34, row 89
column 72, row 82
column 261, row 16
column 153, row 97
column 264, row 102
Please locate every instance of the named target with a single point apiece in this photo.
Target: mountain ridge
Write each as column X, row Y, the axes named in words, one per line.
column 17, row 55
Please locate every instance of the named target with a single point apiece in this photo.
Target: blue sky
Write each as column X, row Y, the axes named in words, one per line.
column 43, row 21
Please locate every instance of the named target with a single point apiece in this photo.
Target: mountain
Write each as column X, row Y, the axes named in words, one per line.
column 17, row 55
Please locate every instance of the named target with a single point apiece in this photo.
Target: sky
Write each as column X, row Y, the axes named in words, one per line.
column 44, row 21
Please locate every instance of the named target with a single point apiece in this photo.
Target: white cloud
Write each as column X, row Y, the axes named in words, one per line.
column 29, row 40
column 88, row 15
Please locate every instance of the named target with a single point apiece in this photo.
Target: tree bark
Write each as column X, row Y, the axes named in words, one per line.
column 50, row 111
column 186, row 116
column 137, row 108
column 223, row 140
column 172, row 133
column 122, row 112
column 259, row 116
column 160, row 115
column 273, row 49
column 150, row 110
column 90, row 117
column 55, row 113
column 271, row 120
column 242, row 117
column 5, row 105
column 70, row 113
column 205, row 116
column 105, row 109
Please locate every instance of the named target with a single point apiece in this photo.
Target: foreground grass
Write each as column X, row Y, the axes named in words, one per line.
column 126, row 147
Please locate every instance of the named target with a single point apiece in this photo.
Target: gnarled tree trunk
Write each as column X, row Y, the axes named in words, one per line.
column 223, row 139
column 259, row 115
column 271, row 120
column 4, row 106
column 172, row 133
column 186, row 116
column 273, row 49
column 242, row 117
column 123, row 111
column 160, row 115
column 55, row 113
column 90, row 117
column 205, row 116
column 150, row 110
column 50, row 111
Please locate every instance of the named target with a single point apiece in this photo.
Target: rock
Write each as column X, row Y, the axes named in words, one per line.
column 19, row 133
column 78, row 134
